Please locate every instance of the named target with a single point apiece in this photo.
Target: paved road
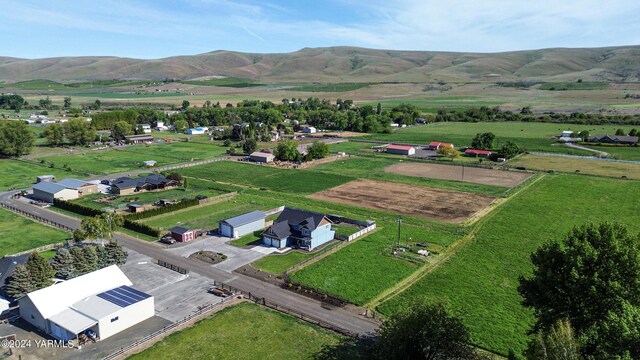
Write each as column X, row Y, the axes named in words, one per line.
column 338, row 317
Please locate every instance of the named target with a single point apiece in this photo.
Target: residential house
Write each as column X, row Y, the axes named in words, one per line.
column 146, row 128
column 102, row 301
column 197, row 131
column 401, row 150
column 299, row 229
column 7, row 265
column 613, row 139
column 241, row 225
column 127, row 186
column 83, row 187
column 149, row 163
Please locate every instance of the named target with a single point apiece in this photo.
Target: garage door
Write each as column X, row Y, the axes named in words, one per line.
column 225, row 230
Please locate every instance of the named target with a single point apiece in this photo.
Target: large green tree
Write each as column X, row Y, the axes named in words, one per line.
column 120, row 130
column 62, row 263
column 101, row 226
column 483, row 141
column 287, row 150
column 20, row 282
column 16, row 138
column 592, row 279
column 509, row 149
column 318, row 150
column 41, row 271
column 79, row 132
column 117, row 255
column 423, row 331
column 54, row 134
column 80, row 264
column 558, row 343
column 249, row 146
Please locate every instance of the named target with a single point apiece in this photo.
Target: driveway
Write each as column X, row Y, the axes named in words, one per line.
column 236, row 257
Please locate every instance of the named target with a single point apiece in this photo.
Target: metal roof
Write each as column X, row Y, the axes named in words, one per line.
column 72, row 183
column 400, row 147
column 180, row 230
column 49, row 187
column 245, row 218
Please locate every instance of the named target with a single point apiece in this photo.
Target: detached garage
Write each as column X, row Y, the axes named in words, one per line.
column 239, row 226
column 102, row 301
column 47, row 191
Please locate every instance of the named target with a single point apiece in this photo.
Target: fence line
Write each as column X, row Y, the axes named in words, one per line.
column 193, row 163
column 274, row 211
column 36, row 217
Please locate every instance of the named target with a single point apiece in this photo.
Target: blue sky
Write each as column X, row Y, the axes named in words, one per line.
column 161, row 28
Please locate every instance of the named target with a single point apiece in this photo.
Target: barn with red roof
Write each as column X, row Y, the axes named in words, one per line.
column 401, row 150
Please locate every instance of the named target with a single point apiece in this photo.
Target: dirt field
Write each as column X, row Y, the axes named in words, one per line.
column 449, row 172
column 450, row 206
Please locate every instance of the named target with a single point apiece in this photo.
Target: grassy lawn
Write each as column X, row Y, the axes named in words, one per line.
column 182, row 151
column 18, row 174
column 249, row 239
column 364, row 269
column 244, row 331
column 144, row 198
column 532, row 136
column 279, row 263
column 480, row 281
column 102, row 162
column 593, row 167
column 620, row 152
column 282, row 180
column 207, row 216
column 20, row 234
column 345, row 229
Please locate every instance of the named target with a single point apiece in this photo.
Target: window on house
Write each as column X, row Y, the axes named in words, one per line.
column 115, row 319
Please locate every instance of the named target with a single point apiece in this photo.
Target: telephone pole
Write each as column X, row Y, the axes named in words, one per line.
column 399, row 223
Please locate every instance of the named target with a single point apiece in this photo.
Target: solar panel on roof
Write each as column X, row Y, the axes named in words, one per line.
column 123, row 296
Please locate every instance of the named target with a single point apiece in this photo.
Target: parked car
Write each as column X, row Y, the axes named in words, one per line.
column 168, row 240
column 200, row 197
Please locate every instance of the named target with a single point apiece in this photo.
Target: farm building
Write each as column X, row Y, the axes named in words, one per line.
column 309, row 130
column 477, row 153
column 135, row 208
column 149, row 163
column 101, row 301
column 84, row 188
column 146, row 128
column 42, row 178
column 47, row 191
column 196, row 131
column 138, row 139
column 239, row 226
column 127, row 186
column 299, row 229
column 261, row 157
column 613, row 139
column 566, row 134
column 436, row 145
column 183, row 234
column 401, row 150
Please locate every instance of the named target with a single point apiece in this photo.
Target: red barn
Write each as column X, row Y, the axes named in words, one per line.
column 183, row 234
column 477, row 153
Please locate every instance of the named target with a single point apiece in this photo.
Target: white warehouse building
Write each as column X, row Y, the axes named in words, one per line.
column 239, row 226
column 101, row 301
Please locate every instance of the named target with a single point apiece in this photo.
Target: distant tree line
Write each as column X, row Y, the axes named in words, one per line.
column 487, row 114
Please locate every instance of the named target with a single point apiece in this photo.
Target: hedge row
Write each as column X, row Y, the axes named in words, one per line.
column 162, row 210
column 87, row 211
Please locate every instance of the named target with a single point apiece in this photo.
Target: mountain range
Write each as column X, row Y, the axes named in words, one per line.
column 344, row 64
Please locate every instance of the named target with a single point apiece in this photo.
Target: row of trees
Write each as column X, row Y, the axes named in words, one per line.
column 74, row 131
column 486, row 141
column 37, row 273
column 287, row 150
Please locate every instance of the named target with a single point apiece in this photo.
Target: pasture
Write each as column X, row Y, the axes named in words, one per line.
column 584, row 166
column 20, row 234
column 531, row 136
column 480, row 281
column 244, row 331
column 436, row 204
column 20, row 174
column 102, row 162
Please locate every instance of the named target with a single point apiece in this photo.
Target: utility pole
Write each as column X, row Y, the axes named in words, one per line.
column 399, row 223
column 462, row 171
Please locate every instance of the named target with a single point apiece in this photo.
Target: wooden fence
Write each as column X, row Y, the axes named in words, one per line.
column 36, row 217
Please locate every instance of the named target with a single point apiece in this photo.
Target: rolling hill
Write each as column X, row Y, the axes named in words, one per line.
column 345, row 64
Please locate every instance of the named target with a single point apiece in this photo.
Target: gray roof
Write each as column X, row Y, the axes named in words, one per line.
column 618, row 138
column 72, row 183
column 49, row 187
column 8, row 264
column 280, row 230
column 245, row 218
column 294, row 216
column 180, row 230
column 261, row 155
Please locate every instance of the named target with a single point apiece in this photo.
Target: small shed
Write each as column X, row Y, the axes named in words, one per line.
column 477, row 153
column 401, row 150
column 149, row 163
column 261, row 157
column 136, row 208
column 309, row 130
column 183, row 234
column 239, row 226
column 42, row 178
column 436, row 145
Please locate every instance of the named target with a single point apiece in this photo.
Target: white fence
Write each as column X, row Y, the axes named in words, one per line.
column 362, row 232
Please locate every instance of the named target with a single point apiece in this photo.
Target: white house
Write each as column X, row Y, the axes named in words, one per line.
column 309, row 130
column 146, row 128
column 102, row 301
column 197, row 131
column 47, row 191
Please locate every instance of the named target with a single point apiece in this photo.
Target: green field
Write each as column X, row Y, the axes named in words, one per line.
column 531, row 136
column 620, row 152
column 19, row 174
column 226, row 82
column 244, row 331
column 278, row 264
column 19, row 234
column 180, row 151
column 336, row 87
column 480, row 281
column 562, row 86
column 144, row 198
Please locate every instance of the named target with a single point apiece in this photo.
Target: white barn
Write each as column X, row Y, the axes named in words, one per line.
column 47, row 191
column 102, row 301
